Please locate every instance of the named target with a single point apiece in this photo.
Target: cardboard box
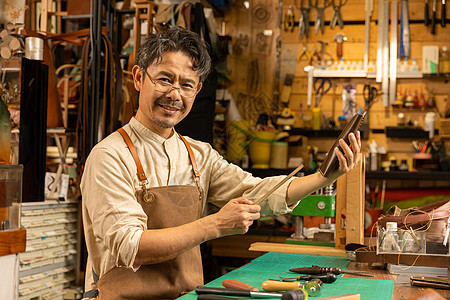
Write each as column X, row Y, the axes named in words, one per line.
column 430, row 59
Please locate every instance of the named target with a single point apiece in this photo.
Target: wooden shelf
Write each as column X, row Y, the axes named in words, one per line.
column 12, row 241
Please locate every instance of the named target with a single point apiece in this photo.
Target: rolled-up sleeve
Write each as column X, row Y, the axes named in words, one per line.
column 229, row 181
column 116, row 219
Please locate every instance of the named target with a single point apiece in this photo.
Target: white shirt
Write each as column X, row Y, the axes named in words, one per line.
column 113, row 219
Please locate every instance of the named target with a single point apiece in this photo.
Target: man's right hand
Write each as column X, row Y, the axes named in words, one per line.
column 236, row 216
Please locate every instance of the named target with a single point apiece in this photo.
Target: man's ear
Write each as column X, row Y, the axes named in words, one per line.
column 138, row 77
column 200, row 85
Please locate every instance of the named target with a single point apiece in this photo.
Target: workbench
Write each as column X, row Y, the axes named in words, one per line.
column 274, row 264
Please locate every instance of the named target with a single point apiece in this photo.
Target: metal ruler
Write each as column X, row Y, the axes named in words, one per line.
column 393, row 54
column 385, row 54
column 369, row 8
column 380, row 41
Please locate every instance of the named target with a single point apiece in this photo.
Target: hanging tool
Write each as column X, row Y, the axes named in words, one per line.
column 339, row 38
column 289, row 295
column 325, row 278
column 370, row 94
column 320, row 20
column 426, row 20
column 289, row 19
column 286, row 118
column 324, row 270
column 323, row 88
column 235, row 284
column 404, row 39
column 303, row 23
column 313, row 287
column 393, row 53
column 324, row 53
column 443, row 13
column 433, row 18
column 369, row 9
column 337, row 16
column 306, row 54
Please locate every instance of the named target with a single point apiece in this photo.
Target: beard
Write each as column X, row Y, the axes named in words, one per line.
column 169, row 122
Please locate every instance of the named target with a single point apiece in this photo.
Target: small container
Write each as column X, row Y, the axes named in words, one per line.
column 388, row 239
column 413, row 241
column 430, row 119
column 444, row 61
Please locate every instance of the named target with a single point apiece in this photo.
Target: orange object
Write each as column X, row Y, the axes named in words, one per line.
column 234, row 284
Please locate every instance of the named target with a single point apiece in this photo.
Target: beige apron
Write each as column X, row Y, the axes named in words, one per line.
column 167, row 206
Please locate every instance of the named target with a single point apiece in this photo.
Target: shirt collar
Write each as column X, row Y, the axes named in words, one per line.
column 147, row 133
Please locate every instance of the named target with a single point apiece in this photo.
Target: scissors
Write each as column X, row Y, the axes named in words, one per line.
column 320, row 21
column 337, row 17
column 303, row 23
column 289, row 19
column 370, row 94
column 324, row 87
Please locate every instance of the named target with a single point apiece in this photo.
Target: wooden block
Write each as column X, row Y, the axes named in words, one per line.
column 355, row 203
column 301, row 249
column 12, row 241
column 341, row 192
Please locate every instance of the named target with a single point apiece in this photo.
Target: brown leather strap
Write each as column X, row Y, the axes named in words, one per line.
column 137, row 161
column 191, row 156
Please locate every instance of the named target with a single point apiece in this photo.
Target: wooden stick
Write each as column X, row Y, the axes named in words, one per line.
column 279, row 184
column 383, row 190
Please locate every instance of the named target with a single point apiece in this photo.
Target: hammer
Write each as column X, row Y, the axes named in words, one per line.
column 205, row 293
column 339, row 39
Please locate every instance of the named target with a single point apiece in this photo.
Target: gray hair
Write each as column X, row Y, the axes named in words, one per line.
column 173, row 40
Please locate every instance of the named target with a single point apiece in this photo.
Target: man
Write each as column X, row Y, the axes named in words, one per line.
column 144, row 189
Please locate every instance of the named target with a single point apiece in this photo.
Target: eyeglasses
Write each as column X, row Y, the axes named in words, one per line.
column 166, row 87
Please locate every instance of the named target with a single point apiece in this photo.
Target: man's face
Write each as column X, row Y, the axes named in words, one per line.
column 161, row 111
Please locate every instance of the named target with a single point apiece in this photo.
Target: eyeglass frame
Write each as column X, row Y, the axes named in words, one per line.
column 168, row 84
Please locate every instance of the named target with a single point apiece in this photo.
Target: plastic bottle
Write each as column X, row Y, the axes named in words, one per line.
column 341, row 65
column 409, row 100
column 414, row 66
column 405, row 66
column 370, row 67
column 390, row 239
column 430, row 118
column 444, row 60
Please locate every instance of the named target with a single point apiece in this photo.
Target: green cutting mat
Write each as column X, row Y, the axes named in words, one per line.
column 273, row 264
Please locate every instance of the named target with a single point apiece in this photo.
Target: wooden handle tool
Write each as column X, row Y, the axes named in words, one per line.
column 235, row 284
column 279, row 184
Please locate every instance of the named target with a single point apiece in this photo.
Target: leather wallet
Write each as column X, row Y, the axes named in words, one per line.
column 331, row 162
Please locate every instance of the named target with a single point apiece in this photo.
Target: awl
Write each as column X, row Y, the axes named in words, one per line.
column 315, row 270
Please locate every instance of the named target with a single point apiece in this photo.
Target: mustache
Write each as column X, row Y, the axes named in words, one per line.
column 164, row 101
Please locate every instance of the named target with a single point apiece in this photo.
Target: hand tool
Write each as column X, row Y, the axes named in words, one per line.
column 289, row 19
column 426, row 20
column 323, row 88
column 322, row 270
column 369, row 9
column 279, row 184
column 433, row 18
column 298, row 294
column 324, row 53
column 312, row 287
column 235, row 284
column 370, row 93
column 432, row 282
column 339, row 39
column 306, row 54
column 326, row 278
column 337, row 16
column 320, row 21
column 404, row 39
column 303, row 23
column 393, row 53
column 443, row 13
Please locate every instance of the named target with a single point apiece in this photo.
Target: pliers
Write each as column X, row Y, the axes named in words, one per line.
column 289, row 19
column 305, row 53
column 320, row 21
column 303, row 23
column 337, row 17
